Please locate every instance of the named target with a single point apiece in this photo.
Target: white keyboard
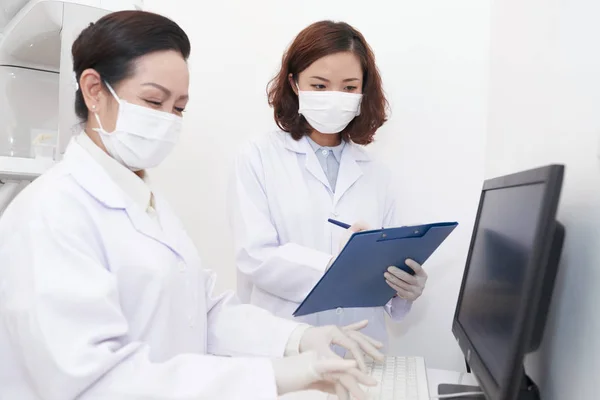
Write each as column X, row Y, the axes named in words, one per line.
column 400, row 378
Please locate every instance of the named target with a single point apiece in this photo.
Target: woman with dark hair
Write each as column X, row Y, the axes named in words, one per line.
column 328, row 102
column 102, row 293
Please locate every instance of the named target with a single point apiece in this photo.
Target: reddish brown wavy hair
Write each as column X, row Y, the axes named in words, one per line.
column 314, row 42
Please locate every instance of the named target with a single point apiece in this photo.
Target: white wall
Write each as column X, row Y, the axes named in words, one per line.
column 434, row 59
column 545, row 108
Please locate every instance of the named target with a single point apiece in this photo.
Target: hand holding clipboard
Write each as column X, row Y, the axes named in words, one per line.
column 408, row 283
column 355, row 277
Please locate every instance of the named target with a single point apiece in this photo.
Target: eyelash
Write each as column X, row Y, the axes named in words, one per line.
column 158, row 104
column 322, row 87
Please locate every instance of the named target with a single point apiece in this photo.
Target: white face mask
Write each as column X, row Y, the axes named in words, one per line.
column 329, row 112
column 143, row 137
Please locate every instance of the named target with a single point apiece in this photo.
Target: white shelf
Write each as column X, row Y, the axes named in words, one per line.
column 15, row 168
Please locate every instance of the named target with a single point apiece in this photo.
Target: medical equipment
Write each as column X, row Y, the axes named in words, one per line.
column 37, row 89
column 142, row 137
column 329, row 112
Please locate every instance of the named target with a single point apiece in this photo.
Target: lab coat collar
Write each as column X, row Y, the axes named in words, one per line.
column 336, row 151
column 298, row 146
column 350, row 169
column 131, row 184
column 93, row 178
column 302, row 146
column 90, row 175
column 312, row 164
column 359, row 153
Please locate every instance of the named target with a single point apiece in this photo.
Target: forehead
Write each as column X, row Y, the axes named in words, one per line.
column 166, row 68
column 343, row 65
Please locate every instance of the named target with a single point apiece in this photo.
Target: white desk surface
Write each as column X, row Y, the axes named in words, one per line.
column 434, row 377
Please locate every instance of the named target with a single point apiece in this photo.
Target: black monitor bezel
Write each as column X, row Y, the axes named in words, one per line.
column 552, row 176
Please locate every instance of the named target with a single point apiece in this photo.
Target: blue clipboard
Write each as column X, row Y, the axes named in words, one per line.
column 355, row 279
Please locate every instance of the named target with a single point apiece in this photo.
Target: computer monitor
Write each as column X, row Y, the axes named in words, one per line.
column 508, row 280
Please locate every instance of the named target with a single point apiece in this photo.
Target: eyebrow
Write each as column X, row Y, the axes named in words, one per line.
column 164, row 89
column 327, row 80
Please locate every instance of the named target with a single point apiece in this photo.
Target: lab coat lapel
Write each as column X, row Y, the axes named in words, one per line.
column 144, row 224
column 350, row 169
column 313, row 166
column 92, row 178
column 96, row 182
column 311, row 163
column 171, row 226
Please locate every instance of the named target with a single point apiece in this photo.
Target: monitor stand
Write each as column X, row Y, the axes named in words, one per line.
column 529, row 390
column 447, row 389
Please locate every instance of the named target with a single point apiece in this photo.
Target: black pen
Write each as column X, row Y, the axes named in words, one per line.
column 338, row 223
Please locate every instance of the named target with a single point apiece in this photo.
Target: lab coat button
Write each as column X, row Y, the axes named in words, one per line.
column 181, row 265
column 339, row 311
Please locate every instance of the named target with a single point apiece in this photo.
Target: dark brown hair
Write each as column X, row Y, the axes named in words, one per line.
column 111, row 46
column 314, row 42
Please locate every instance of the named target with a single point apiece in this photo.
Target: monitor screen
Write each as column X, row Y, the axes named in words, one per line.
column 494, row 285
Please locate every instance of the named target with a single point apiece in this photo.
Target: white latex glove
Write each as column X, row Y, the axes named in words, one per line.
column 309, row 371
column 320, row 339
column 407, row 286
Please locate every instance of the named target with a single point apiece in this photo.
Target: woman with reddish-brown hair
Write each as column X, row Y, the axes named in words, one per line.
column 328, row 103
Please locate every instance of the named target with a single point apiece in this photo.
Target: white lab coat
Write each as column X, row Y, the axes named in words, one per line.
column 97, row 302
column 281, row 201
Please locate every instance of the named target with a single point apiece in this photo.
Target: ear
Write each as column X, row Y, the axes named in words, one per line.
column 293, row 83
column 90, row 84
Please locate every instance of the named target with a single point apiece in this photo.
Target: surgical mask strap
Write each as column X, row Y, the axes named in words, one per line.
column 114, row 94
column 298, row 87
column 112, row 91
column 99, row 122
